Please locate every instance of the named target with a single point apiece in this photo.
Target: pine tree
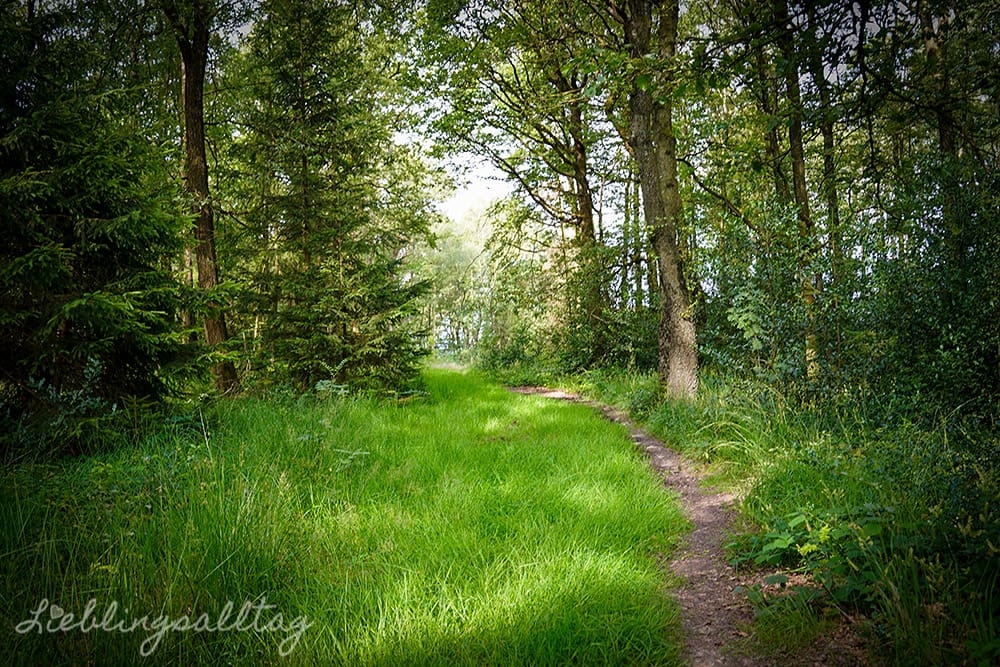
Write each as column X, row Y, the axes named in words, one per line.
column 317, row 168
column 90, row 219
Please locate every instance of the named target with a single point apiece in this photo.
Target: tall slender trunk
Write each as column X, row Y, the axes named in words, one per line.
column 586, row 232
column 829, row 181
column 766, row 99
column 187, row 271
column 624, row 285
column 808, row 281
column 652, row 276
column 933, row 28
column 191, row 25
column 643, row 296
column 652, row 138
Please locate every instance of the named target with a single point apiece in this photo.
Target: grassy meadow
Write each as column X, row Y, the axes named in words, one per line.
column 465, row 526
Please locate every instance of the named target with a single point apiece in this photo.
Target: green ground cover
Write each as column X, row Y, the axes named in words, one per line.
column 465, row 526
column 896, row 521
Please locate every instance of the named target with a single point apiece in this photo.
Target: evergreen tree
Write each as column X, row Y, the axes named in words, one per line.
column 90, row 220
column 320, row 180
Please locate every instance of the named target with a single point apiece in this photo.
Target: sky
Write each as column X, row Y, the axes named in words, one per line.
column 475, row 190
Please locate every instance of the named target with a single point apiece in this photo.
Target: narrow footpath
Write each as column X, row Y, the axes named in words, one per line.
column 713, row 614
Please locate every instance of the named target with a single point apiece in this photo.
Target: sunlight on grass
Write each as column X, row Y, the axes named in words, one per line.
column 470, row 526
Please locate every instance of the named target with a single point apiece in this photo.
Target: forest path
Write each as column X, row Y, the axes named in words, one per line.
column 714, row 615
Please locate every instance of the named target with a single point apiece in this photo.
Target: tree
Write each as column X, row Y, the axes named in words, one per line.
column 88, row 303
column 191, row 21
column 330, row 205
column 518, row 94
column 810, row 283
column 934, row 150
column 654, row 143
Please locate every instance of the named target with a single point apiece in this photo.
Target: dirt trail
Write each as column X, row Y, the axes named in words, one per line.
column 712, row 613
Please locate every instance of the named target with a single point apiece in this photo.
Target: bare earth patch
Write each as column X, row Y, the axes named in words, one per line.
column 714, row 616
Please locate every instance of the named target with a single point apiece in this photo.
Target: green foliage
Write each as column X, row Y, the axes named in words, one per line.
column 787, row 621
column 841, row 549
column 938, row 311
column 333, row 205
column 519, row 361
column 91, row 221
column 754, row 318
column 456, row 303
column 526, row 306
column 631, row 337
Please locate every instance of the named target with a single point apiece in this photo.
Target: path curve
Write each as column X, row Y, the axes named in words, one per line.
column 713, row 614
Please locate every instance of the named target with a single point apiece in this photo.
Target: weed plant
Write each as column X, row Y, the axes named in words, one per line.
column 467, row 525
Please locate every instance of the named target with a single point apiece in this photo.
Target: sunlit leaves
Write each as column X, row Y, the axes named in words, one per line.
column 331, row 202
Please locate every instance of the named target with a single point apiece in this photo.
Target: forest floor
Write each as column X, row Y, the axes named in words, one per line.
column 717, row 617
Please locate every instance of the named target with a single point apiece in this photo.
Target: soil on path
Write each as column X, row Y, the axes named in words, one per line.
column 714, row 615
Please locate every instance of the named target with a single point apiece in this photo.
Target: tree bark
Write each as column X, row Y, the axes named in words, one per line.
column 625, row 286
column 809, row 282
column 643, row 295
column 586, row 230
column 934, row 31
column 191, row 25
column 768, row 106
column 829, row 182
column 585, row 227
column 655, row 144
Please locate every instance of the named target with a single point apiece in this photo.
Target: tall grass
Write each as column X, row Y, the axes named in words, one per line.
column 893, row 519
column 470, row 526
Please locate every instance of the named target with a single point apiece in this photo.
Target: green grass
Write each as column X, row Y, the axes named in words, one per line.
column 893, row 520
column 785, row 625
column 468, row 526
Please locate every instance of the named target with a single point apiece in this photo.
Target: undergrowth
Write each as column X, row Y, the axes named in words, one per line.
column 892, row 517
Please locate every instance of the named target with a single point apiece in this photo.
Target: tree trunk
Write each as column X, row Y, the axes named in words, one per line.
column 829, row 182
column 934, row 30
column 624, row 285
column 767, row 100
column 652, row 137
column 586, row 237
column 187, row 315
column 809, row 283
column 652, row 276
column 587, row 233
column 191, row 25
